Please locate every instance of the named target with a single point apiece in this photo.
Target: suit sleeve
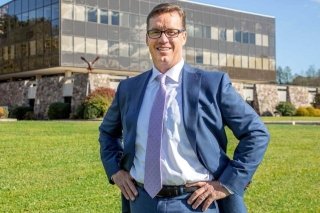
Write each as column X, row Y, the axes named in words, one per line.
column 251, row 132
column 111, row 148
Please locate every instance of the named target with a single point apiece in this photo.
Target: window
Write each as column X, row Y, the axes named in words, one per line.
column 222, row 59
column 258, row 63
column 252, row 38
column 92, row 14
column 32, row 45
column 79, row 13
column 245, row 61
column 134, row 21
column 113, row 48
column 214, row 33
column 104, row 16
column 222, row 34
column 32, row 4
column 17, row 6
column 230, row 60
column 55, row 11
column 265, row 40
column 190, row 55
column 265, row 62
column 206, row 32
column 229, row 35
column 258, row 39
column 252, row 63
column 237, row 61
column 206, row 57
column 124, row 49
column 102, row 47
column 134, row 50
column 66, row 43
column 115, row 20
column 91, row 46
column 238, row 36
column 198, row 31
column 190, row 30
column 79, row 45
column 124, row 20
column 47, row 13
column 245, row 38
column 199, row 56
column 214, row 59
column 39, row 14
column 67, row 11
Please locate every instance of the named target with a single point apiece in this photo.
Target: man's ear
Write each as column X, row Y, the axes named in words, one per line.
column 184, row 37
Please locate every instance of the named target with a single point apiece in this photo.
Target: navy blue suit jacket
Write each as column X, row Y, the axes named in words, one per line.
column 209, row 103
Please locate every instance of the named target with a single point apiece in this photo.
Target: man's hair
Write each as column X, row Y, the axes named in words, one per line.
column 167, row 8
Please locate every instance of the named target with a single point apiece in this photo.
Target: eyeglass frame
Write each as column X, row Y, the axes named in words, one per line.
column 164, row 31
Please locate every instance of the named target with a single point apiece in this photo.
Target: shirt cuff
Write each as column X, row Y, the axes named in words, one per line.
column 227, row 188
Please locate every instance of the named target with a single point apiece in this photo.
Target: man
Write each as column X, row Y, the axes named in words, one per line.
column 187, row 142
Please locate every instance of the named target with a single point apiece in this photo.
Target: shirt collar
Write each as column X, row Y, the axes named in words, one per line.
column 174, row 73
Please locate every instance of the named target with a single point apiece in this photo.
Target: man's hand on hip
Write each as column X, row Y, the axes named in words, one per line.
column 207, row 193
column 126, row 184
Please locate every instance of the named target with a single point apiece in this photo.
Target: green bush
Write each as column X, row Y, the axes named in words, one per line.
column 316, row 101
column 59, row 110
column 20, row 112
column 4, row 112
column 97, row 103
column 285, row 108
column 302, row 111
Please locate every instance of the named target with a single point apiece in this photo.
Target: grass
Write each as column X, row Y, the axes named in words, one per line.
column 291, row 118
column 55, row 167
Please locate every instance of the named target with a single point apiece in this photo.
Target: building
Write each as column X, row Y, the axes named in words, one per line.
column 42, row 43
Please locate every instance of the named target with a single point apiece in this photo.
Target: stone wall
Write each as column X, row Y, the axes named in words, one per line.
column 298, row 96
column 14, row 93
column 51, row 89
column 266, row 98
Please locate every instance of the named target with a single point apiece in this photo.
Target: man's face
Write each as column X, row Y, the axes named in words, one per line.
column 166, row 52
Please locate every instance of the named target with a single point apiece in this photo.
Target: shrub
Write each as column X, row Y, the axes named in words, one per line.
column 313, row 112
column 59, row 110
column 302, row 111
column 20, row 112
column 316, row 101
column 97, row 103
column 4, row 112
column 285, row 109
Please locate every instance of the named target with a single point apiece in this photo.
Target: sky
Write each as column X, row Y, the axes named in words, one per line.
column 297, row 28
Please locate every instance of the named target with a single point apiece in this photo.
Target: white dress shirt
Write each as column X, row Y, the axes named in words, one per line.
column 179, row 163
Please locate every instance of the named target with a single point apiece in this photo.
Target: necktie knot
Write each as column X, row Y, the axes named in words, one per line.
column 162, row 79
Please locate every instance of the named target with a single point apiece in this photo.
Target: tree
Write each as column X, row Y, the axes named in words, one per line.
column 284, row 76
column 311, row 72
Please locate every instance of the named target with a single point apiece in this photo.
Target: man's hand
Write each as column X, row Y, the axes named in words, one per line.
column 206, row 194
column 126, row 184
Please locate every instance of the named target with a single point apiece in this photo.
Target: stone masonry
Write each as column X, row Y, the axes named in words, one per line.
column 51, row 89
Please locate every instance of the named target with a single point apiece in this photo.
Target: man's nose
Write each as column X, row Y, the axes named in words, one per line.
column 163, row 37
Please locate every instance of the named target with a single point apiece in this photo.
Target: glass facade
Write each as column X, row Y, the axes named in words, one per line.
column 37, row 34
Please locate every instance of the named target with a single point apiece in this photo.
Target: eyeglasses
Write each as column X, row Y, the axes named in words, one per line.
column 170, row 33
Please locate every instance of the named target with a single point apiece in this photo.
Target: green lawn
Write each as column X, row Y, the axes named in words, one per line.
column 55, row 167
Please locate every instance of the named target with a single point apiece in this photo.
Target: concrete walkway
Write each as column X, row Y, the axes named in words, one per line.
column 294, row 122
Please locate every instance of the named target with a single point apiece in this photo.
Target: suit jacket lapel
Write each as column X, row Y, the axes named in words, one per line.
column 135, row 100
column 190, row 97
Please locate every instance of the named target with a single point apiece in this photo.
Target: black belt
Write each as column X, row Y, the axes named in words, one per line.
column 173, row 191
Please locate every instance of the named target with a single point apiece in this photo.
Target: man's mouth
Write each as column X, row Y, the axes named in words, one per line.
column 163, row 49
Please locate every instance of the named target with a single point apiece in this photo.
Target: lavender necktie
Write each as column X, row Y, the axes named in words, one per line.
column 152, row 175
